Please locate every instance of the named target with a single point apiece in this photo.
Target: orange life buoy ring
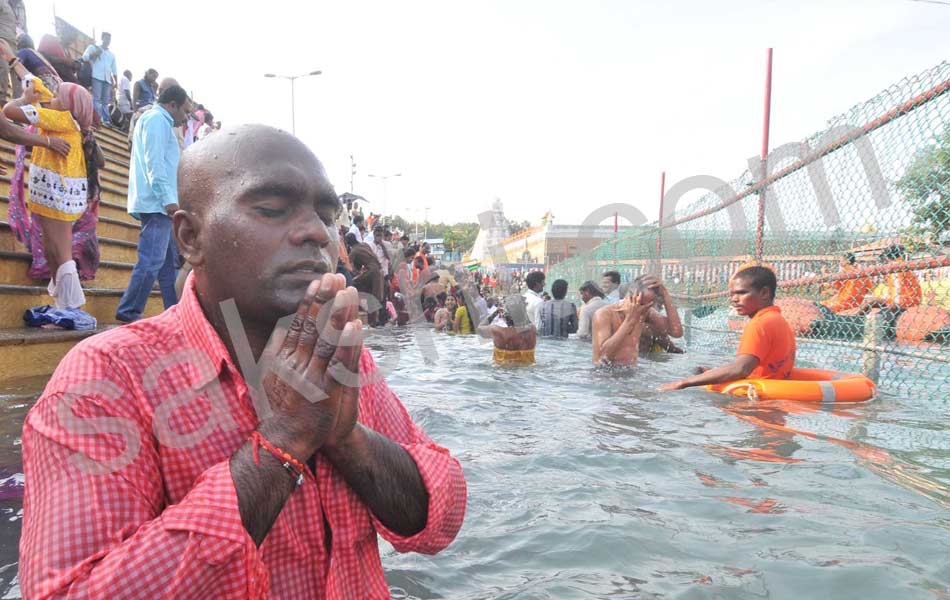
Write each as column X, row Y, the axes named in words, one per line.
column 804, row 385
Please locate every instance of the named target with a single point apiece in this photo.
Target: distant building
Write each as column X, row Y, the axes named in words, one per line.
column 437, row 247
column 493, row 229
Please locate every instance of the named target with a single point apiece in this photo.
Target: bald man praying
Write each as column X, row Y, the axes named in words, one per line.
column 242, row 444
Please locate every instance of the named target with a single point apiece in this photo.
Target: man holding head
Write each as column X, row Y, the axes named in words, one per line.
column 212, row 451
column 617, row 328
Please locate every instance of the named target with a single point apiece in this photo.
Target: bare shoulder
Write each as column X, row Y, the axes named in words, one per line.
column 604, row 315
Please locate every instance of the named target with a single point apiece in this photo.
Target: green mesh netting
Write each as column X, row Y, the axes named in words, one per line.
column 856, row 227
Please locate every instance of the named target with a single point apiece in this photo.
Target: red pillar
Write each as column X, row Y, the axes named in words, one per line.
column 760, row 225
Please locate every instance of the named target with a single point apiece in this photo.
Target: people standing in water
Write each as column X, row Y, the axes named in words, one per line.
column 617, row 328
column 463, row 323
column 610, row 284
column 767, row 347
column 659, row 328
column 445, row 316
column 558, row 316
column 532, row 297
column 593, row 301
column 513, row 334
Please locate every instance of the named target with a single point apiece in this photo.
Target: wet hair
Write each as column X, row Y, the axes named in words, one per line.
column 640, row 286
column 559, row 289
column 759, row 278
column 592, row 288
column 850, row 257
column 24, row 41
column 613, row 275
column 441, row 297
column 175, row 93
column 533, row 279
column 429, row 302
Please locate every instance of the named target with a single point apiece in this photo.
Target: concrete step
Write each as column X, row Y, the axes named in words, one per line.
column 100, row 303
column 126, row 228
column 116, row 211
column 109, row 249
column 30, row 351
column 112, row 135
column 14, row 267
column 115, row 150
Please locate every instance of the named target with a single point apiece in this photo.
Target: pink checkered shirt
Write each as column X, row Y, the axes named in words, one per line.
column 161, row 519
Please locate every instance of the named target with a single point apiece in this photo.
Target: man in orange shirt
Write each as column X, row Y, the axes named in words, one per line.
column 903, row 289
column 903, row 292
column 767, row 347
column 850, row 292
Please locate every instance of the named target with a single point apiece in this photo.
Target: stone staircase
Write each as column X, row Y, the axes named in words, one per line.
column 30, row 352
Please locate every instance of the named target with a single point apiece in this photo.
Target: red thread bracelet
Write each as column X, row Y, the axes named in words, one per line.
column 290, row 463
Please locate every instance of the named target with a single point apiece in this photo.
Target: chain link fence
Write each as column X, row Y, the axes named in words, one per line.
column 855, row 221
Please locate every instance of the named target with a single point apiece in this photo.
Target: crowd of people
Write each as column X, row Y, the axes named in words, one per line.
column 54, row 202
column 285, row 498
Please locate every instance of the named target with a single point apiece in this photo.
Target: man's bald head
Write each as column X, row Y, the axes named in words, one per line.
column 213, row 168
column 257, row 220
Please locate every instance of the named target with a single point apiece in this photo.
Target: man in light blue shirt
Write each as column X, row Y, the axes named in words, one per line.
column 103, row 75
column 153, row 199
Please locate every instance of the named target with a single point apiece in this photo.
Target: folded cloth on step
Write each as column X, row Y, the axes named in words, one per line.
column 67, row 318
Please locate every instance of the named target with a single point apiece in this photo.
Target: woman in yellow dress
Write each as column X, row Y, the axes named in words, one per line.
column 58, row 184
column 462, row 324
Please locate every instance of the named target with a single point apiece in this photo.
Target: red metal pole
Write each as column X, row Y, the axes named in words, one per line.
column 616, row 228
column 659, row 222
column 760, row 226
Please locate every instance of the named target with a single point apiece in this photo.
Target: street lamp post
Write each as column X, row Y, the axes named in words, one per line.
column 384, row 179
column 293, row 110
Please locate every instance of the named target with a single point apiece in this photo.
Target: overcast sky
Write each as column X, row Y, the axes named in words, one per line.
column 548, row 105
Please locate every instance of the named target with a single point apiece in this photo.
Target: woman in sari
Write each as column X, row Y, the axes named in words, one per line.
column 60, row 187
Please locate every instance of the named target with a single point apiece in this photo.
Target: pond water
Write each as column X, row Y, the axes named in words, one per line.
column 588, row 484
